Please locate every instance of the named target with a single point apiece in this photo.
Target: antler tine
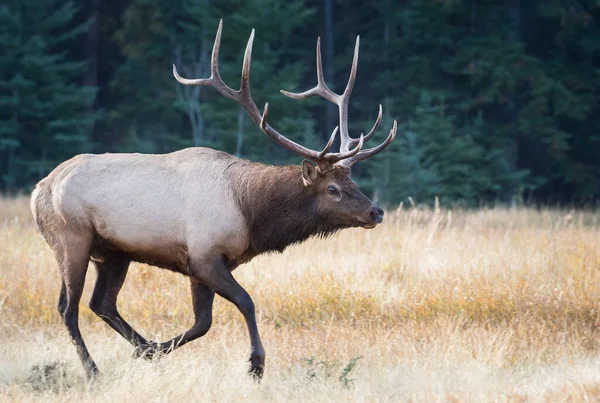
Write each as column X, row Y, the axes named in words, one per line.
column 284, row 141
column 344, row 156
column 188, row 81
column 214, row 80
column 320, row 75
column 371, row 151
column 345, row 140
column 352, row 77
column 214, row 65
column 214, row 60
column 321, row 88
column 245, row 84
column 374, row 128
column 319, row 158
column 329, row 143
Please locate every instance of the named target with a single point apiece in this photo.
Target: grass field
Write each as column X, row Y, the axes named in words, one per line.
column 433, row 305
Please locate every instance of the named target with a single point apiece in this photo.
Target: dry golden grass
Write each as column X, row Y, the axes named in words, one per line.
column 434, row 305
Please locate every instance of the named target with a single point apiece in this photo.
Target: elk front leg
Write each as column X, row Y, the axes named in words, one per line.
column 218, row 277
column 202, row 300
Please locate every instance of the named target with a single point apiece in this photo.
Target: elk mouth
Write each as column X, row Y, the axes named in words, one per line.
column 375, row 216
column 365, row 224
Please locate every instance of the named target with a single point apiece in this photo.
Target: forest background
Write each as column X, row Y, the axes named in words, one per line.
column 497, row 101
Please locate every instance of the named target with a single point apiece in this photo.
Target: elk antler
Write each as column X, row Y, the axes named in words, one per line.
column 342, row 102
column 243, row 97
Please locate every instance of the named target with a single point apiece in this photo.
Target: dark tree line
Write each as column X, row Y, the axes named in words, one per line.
column 497, row 100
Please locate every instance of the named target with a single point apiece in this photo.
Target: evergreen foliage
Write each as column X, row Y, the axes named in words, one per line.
column 497, row 101
column 43, row 106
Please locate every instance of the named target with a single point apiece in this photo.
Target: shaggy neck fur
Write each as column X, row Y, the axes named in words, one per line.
column 278, row 208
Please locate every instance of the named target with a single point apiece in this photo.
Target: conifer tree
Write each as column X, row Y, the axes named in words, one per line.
column 43, row 104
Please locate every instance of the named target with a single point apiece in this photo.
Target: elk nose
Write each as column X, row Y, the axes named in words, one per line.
column 376, row 214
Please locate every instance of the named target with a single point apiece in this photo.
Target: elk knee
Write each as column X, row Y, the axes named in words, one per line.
column 70, row 318
column 99, row 307
column 62, row 300
column 95, row 304
column 203, row 326
column 246, row 305
column 62, row 305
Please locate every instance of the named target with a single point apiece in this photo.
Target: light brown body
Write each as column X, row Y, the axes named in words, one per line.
column 166, row 210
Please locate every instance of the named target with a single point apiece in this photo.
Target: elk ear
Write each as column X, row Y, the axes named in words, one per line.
column 310, row 172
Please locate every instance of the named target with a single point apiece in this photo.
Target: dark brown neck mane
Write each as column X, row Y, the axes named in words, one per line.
column 278, row 208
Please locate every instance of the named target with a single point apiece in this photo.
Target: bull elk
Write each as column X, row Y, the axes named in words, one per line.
column 199, row 212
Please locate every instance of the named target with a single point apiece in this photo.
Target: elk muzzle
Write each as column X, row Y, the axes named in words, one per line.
column 373, row 216
column 376, row 214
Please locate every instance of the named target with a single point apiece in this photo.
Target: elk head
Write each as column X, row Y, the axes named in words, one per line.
column 338, row 197
column 325, row 174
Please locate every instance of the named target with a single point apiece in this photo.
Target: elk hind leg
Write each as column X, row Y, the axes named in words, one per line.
column 62, row 299
column 73, row 256
column 112, row 271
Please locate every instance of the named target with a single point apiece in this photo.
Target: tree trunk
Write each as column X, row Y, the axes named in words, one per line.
column 42, row 165
column 381, row 177
column 10, row 181
column 195, row 65
column 91, row 54
column 191, row 95
column 330, row 113
column 240, row 133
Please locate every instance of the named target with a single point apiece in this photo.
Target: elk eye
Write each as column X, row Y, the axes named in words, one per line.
column 332, row 190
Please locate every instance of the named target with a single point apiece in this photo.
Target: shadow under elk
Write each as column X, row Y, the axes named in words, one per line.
column 199, row 212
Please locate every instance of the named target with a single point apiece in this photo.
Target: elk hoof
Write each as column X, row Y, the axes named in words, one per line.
column 257, row 367
column 92, row 371
column 149, row 351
